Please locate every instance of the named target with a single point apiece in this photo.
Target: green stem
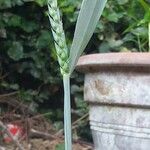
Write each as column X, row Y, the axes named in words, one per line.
column 67, row 112
column 149, row 36
column 139, row 43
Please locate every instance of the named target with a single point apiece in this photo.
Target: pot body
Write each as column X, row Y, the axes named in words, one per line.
column 119, row 99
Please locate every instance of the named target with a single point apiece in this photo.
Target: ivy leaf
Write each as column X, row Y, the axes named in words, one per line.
column 43, row 39
column 12, row 20
column 5, row 4
column 104, row 47
column 114, row 17
column 11, row 3
column 9, row 85
column 28, row 26
column 16, row 51
column 14, row 86
column 41, row 2
column 122, row 2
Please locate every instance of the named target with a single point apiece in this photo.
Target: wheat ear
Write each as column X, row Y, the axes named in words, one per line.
column 62, row 55
column 59, row 36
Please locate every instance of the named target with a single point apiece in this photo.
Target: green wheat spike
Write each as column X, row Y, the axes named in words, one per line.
column 59, row 36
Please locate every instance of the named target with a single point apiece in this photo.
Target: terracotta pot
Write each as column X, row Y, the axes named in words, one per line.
column 117, row 88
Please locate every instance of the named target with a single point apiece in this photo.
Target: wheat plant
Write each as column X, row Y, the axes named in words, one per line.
column 89, row 15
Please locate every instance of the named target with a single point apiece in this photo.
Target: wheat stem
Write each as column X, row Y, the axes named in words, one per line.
column 67, row 113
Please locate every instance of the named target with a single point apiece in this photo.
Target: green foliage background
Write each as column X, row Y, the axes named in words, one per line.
column 27, row 55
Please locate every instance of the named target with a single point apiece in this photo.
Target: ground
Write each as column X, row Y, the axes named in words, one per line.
column 37, row 133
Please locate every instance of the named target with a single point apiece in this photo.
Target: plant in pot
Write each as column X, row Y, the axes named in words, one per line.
column 139, row 25
column 117, row 90
column 146, row 19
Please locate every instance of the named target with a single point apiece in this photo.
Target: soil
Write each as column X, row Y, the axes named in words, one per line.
column 40, row 144
column 39, row 133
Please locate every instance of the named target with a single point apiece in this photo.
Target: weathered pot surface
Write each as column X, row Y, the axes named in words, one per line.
column 117, row 87
column 113, row 59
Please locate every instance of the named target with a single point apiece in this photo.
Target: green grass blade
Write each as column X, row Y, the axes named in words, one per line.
column 149, row 36
column 67, row 113
column 89, row 15
column 145, row 5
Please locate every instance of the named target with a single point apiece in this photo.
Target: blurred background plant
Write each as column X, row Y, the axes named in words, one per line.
column 28, row 61
column 146, row 19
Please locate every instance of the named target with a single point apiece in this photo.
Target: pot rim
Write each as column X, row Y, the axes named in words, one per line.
column 123, row 59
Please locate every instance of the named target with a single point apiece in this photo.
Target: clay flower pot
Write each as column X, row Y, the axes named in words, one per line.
column 117, row 88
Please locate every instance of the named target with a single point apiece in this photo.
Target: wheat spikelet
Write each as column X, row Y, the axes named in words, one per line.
column 59, row 36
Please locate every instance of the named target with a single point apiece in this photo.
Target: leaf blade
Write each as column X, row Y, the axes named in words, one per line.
column 88, row 17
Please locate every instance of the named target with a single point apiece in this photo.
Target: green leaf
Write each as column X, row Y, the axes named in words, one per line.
column 9, row 85
column 35, row 73
column 14, row 86
column 114, row 16
column 11, row 3
column 88, row 17
column 16, row 51
column 60, row 146
column 41, row 2
column 27, row 95
column 104, row 47
column 58, row 125
column 147, row 17
column 43, row 40
column 145, row 5
column 122, row 2
column 28, row 26
column 140, row 31
column 5, row 4
column 17, row 2
column 12, row 20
